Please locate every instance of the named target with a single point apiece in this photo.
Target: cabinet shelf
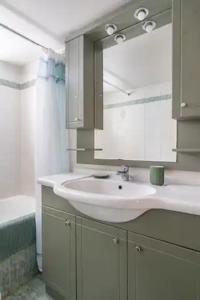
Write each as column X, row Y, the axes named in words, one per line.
column 84, row 149
column 186, row 150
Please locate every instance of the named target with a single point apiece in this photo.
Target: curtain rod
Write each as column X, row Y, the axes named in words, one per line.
column 22, row 36
column 118, row 88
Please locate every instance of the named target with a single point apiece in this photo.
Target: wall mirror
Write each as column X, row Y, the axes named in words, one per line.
column 137, row 96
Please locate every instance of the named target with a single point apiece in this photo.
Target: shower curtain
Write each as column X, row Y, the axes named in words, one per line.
column 51, row 135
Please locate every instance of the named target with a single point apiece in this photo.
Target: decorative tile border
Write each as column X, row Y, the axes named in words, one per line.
column 139, row 101
column 27, row 84
column 17, row 86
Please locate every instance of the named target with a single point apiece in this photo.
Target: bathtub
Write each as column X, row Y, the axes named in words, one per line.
column 17, row 242
column 16, row 207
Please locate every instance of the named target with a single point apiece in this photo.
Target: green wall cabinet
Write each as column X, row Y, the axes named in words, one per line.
column 79, row 83
column 101, row 261
column 158, row 270
column 186, row 67
column 59, row 251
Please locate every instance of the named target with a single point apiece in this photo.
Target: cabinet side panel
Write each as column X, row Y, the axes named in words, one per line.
column 88, row 80
column 98, row 86
column 190, row 67
column 176, row 59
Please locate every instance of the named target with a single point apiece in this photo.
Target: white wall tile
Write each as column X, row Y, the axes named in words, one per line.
column 143, row 131
column 9, row 142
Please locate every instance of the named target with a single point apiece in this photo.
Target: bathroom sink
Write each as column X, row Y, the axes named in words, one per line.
column 107, row 200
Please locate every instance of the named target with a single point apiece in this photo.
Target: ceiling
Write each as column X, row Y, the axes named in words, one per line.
column 58, row 18
column 139, row 62
column 47, row 22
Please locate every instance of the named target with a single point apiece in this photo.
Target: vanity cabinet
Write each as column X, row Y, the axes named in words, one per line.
column 79, row 83
column 186, row 66
column 142, row 259
column 101, row 261
column 158, row 270
column 59, row 253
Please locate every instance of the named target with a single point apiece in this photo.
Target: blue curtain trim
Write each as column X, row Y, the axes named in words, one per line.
column 52, row 69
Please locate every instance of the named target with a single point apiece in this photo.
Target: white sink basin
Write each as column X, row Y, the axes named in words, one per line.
column 107, row 200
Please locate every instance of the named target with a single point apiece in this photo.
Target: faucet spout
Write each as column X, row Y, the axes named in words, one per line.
column 124, row 172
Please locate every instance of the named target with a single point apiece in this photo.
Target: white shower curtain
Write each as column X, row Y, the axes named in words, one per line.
column 51, row 135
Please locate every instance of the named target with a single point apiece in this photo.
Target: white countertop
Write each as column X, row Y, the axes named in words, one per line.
column 181, row 198
column 50, row 181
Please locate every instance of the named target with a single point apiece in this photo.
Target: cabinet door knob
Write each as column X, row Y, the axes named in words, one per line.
column 139, row 249
column 116, row 241
column 67, row 222
column 77, row 119
column 183, row 105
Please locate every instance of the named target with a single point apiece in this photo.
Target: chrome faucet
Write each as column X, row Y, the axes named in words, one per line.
column 124, row 172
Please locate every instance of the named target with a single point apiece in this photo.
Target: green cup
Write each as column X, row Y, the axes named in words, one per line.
column 157, row 175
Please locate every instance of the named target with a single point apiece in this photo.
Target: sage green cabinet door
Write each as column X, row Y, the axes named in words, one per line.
column 101, row 261
column 158, row 270
column 186, row 48
column 79, row 83
column 59, row 264
column 74, row 82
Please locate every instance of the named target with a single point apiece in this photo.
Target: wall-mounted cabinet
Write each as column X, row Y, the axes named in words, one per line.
column 186, row 66
column 79, row 83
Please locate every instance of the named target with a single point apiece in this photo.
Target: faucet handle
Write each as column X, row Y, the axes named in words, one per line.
column 124, row 169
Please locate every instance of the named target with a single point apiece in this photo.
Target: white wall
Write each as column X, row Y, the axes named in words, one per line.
column 9, row 132
column 27, row 140
column 10, row 142
column 17, row 130
column 143, row 131
column 17, row 108
column 27, row 130
column 10, row 72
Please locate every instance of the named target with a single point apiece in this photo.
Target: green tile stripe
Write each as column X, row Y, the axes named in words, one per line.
column 17, row 235
column 17, row 86
column 139, row 101
column 27, row 84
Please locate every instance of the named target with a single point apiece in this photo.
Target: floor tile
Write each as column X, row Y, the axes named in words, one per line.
column 33, row 290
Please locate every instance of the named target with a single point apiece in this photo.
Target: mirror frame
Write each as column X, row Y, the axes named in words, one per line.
column 161, row 13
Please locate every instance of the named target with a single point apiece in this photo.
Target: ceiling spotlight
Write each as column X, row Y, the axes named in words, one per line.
column 120, row 38
column 149, row 26
column 110, row 29
column 141, row 13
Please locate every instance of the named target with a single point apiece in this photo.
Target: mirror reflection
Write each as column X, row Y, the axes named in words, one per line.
column 138, row 122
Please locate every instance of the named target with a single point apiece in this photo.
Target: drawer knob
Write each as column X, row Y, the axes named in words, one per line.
column 139, row 249
column 67, row 222
column 116, row 241
column 183, row 105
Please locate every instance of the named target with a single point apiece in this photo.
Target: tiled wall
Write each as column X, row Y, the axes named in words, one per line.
column 17, row 95
column 138, row 127
column 10, row 141
column 27, row 140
